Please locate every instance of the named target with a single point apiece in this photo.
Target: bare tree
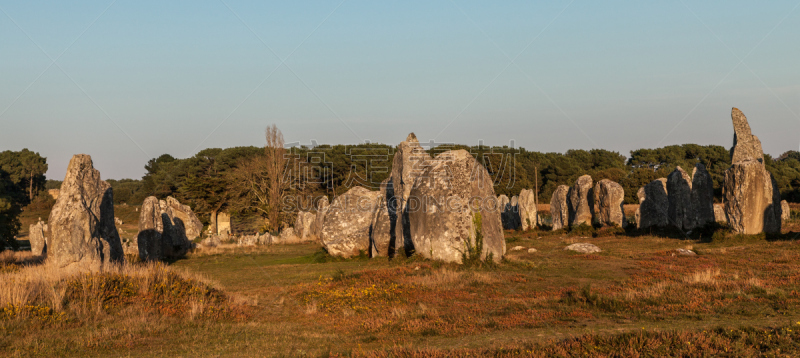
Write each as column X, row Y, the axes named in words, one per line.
column 275, row 156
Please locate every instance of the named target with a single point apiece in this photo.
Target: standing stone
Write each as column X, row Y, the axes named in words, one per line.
column 559, row 210
column 288, row 236
column 303, row 226
column 752, row 200
column 751, row 204
column 151, row 229
column 192, row 226
column 510, row 212
column 345, row 230
column 655, row 205
column 786, row 211
column 319, row 220
column 381, row 236
column 702, row 196
column 527, row 209
column 379, row 230
column 581, row 201
column 679, row 195
column 408, row 163
column 162, row 232
column 82, row 231
column 457, row 207
column 640, row 194
column 38, row 238
column 719, row 214
column 610, row 196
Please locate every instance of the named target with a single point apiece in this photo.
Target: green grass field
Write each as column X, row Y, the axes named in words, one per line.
column 736, row 297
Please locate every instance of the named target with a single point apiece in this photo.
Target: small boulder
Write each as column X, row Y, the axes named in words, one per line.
column 531, row 250
column 583, row 248
column 517, row 248
column 685, row 252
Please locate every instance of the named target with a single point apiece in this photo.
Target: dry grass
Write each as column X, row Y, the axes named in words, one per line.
column 33, row 290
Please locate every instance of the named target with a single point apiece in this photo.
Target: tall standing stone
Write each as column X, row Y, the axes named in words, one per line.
column 527, row 209
column 345, row 231
column 82, row 231
column 381, row 241
column 151, row 229
column 640, row 194
column 702, row 196
column 510, row 212
column 408, row 163
column 752, row 199
column 679, row 195
column 610, row 197
column 37, row 235
column 319, row 219
column 581, row 202
column 457, row 202
column 559, row 210
column 655, row 205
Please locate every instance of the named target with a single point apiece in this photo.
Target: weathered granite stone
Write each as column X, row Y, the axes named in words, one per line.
column 581, row 202
column 752, row 205
column 345, row 230
column 303, row 226
column 583, row 248
column 37, row 235
column 456, row 199
column 408, row 163
column 192, row 226
column 655, row 205
column 510, row 215
column 719, row 214
column 786, row 211
column 288, row 236
column 559, row 210
column 746, row 146
column 527, row 209
column 637, row 216
column 151, row 229
column 610, row 196
column 379, row 230
column 702, row 196
column 82, row 231
column 679, row 196
column 319, row 220
column 752, row 200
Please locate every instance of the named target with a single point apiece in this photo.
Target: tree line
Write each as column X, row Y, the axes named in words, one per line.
column 22, row 182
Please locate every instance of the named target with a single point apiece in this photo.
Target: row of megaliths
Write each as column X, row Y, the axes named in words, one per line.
column 752, row 202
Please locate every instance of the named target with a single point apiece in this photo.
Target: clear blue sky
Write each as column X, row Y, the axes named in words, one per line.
column 154, row 77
